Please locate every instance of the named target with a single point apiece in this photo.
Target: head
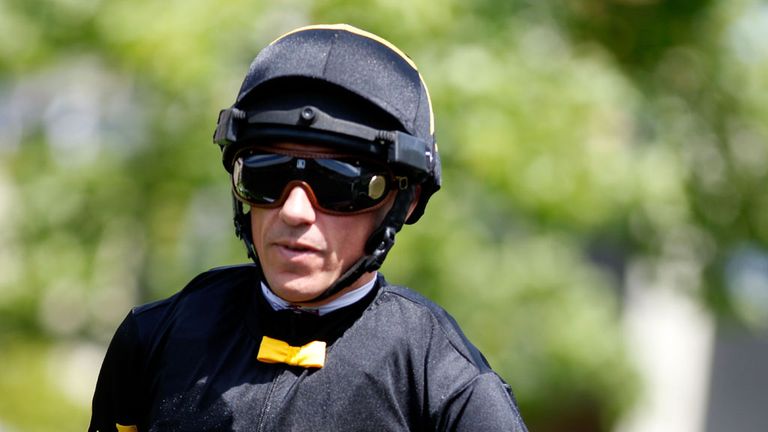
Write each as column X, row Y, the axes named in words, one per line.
column 331, row 148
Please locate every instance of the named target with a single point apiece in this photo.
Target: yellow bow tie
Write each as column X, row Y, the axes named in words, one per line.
column 311, row 355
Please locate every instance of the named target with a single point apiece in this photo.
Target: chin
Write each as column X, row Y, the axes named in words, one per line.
column 300, row 289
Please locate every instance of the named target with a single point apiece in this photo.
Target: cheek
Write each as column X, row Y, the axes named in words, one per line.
column 350, row 234
column 257, row 217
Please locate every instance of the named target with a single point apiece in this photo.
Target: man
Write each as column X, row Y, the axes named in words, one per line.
column 330, row 147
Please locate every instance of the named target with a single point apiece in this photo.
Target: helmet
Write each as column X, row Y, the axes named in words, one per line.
column 345, row 88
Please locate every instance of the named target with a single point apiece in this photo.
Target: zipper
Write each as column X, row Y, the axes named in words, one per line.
column 268, row 400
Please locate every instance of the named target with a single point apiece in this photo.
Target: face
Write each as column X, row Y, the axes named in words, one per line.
column 303, row 250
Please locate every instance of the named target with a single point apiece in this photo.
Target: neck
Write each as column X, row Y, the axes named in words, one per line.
column 346, row 297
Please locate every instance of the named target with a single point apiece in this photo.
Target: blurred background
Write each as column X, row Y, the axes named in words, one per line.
column 602, row 234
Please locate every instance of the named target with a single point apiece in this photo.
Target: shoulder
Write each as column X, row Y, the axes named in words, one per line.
column 211, row 291
column 214, row 282
column 464, row 393
column 443, row 327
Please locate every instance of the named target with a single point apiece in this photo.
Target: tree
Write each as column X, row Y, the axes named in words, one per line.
column 577, row 137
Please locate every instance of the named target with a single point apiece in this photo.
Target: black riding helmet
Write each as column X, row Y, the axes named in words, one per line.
column 344, row 88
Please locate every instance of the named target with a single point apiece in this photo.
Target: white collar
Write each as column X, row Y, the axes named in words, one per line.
column 346, row 299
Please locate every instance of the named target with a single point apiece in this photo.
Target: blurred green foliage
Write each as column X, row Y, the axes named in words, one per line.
column 578, row 137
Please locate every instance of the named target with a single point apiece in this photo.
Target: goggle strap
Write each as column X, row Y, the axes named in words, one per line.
column 310, row 116
column 403, row 149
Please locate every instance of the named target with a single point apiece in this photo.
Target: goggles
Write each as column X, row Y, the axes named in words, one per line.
column 340, row 185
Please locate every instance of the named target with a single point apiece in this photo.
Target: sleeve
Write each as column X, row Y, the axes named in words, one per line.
column 485, row 403
column 115, row 400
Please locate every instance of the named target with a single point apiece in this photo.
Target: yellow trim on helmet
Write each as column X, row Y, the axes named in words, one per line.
column 429, row 101
column 379, row 39
column 355, row 30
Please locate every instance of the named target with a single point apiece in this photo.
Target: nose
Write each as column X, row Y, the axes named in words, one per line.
column 297, row 208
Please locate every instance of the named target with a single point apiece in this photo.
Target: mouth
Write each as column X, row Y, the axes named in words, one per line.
column 296, row 248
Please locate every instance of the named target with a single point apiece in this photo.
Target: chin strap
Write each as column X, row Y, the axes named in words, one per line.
column 376, row 247
column 243, row 228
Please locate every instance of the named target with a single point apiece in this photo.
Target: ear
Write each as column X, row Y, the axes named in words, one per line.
column 416, row 196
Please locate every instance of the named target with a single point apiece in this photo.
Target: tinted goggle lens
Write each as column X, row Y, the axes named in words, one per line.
column 340, row 185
